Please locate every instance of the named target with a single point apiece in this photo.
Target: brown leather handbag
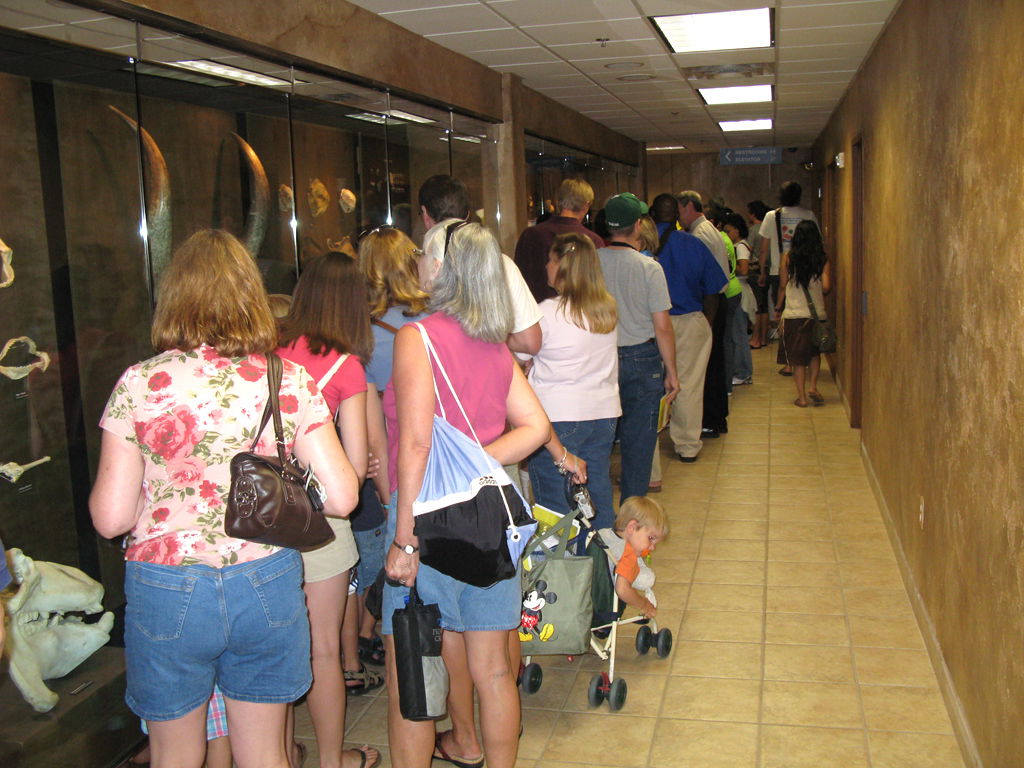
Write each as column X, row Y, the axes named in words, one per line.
column 274, row 499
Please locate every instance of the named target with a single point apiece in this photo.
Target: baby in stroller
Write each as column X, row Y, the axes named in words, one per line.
column 640, row 524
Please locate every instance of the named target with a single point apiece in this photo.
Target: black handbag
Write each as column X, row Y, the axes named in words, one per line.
column 823, row 334
column 273, row 499
column 422, row 676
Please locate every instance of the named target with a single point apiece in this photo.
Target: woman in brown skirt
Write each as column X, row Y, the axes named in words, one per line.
column 804, row 271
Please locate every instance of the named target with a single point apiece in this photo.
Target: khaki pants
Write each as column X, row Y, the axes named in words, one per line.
column 693, row 348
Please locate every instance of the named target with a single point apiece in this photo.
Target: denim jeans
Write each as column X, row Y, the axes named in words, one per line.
column 737, row 351
column 641, row 386
column 592, row 441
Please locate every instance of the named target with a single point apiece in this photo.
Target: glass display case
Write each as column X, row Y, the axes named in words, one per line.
column 120, row 140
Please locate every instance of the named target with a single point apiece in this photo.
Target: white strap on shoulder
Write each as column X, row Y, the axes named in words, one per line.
column 432, row 353
column 330, row 374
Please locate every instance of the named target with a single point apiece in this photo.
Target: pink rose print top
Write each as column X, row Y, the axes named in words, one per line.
column 190, row 413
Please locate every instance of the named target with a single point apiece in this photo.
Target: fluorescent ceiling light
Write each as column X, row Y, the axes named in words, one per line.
column 723, row 31
column 746, row 125
column 664, row 149
column 400, row 115
column 228, row 72
column 739, row 94
column 397, row 114
column 369, row 117
column 469, row 139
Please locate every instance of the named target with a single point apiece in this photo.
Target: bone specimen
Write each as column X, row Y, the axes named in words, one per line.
column 158, row 198
column 43, row 641
column 13, row 471
column 318, row 197
column 15, row 372
column 259, row 199
column 285, row 198
column 347, row 200
column 6, row 267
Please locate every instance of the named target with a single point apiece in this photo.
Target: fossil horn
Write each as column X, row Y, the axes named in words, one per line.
column 158, row 198
column 259, row 199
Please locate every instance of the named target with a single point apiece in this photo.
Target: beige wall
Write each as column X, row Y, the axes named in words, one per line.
column 736, row 184
column 938, row 108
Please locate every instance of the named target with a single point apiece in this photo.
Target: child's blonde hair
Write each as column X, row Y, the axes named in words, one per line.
column 646, row 511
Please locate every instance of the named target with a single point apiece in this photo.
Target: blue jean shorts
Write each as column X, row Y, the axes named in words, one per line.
column 371, row 556
column 464, row 608
column 187, row 627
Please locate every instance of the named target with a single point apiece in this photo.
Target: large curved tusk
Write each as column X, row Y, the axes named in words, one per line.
column 259, row 199
column 158, row 198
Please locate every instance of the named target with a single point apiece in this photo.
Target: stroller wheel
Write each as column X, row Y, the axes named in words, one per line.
column 643, row 640
column 663, row 643
column 617, row 695
column 531, row 677
column 596, row 691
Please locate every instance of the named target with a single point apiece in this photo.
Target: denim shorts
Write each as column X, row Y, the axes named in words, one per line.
column 187, row 627
column 371, row 556
column 463, row 607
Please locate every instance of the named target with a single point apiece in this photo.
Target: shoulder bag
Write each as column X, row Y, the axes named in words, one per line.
column 823, row 334
column 273, row 499
column 471, row 521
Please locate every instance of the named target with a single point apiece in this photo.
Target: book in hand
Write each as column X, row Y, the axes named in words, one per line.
column 664, row 411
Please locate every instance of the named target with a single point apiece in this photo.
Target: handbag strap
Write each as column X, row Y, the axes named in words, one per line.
column 432, row 354
column 810, row 303
column 386, row 326
column 273, row 406
column 330, row 373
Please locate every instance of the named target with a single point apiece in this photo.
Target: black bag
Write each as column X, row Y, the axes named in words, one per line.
column 823, row 334
column 273, row 499
column 422, row 677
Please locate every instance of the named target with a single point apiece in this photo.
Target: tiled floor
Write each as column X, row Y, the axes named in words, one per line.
column 795, row 644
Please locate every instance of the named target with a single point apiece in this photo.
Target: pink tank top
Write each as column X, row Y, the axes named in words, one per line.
column 481, row 373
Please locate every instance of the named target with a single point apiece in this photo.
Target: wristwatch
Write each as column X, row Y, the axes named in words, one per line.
column 409, row 549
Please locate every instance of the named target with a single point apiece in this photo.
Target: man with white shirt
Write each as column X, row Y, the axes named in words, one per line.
column 444, row 199
column 777, row 230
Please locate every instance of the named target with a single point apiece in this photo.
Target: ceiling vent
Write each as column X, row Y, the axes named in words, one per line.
column 729, row 71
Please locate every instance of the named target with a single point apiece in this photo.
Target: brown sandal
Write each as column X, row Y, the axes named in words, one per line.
column 362, row 681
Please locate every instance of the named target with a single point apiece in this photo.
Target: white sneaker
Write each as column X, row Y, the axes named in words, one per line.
column 737, row 381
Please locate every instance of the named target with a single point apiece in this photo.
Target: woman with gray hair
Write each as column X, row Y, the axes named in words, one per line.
column 470, row 321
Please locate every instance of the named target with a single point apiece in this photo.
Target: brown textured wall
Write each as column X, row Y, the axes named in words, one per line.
column 938, row 108
column 736, row 184
column 352, row 40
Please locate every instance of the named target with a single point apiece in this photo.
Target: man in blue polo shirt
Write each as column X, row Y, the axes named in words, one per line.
column 694, row 280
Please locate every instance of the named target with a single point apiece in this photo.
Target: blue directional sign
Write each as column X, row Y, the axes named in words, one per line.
column 750, row 156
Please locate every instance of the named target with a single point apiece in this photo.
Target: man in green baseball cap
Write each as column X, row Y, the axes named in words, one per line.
column 647, row 352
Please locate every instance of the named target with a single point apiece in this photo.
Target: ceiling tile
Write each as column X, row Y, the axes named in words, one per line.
column 526, row 70
column 483, row 40
column 503, row 56
column 626, row 49
column 526, row 12
column 390, row 6
column 581, row 31
column 835, row 50
column 721, row 58
column 851, row 33
column 649, row 63
column 832, row 14
column 439, row 21
column 849, row 64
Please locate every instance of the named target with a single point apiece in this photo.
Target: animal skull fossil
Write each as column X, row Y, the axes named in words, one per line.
column 43, row 641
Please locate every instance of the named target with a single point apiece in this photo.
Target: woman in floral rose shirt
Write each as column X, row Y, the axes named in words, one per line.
column 202, row 607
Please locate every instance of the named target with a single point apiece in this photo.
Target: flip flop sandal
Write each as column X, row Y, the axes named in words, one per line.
column 440, row 754
column 363, row 681
column 817, row 397
column 796, row 402
column 363, row 756
column 371, row 650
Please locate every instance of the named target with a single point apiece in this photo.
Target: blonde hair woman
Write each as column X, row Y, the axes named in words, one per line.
column 202, row 607
column 576, row 375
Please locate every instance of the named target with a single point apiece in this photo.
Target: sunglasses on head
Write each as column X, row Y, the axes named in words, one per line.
column 449, row 232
